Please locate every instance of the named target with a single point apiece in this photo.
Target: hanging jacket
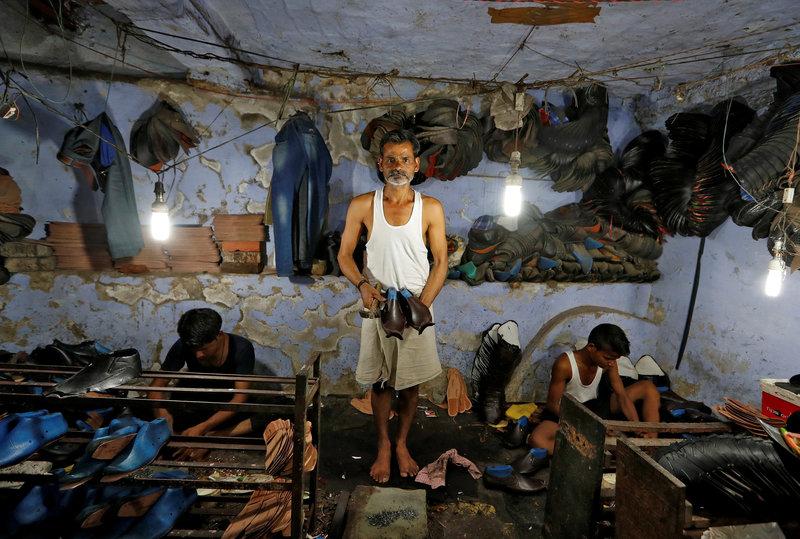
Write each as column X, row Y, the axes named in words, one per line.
column 92, row 149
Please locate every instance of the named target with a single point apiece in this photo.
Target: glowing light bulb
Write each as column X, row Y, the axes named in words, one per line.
column 159, row 218
column 512, row 196
column 774, row 282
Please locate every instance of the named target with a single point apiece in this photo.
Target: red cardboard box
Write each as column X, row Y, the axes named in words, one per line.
column 777, row 401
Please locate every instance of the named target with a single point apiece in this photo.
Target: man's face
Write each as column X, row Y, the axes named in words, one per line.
column 209, row 353
column 602, row 358
column 398, row 163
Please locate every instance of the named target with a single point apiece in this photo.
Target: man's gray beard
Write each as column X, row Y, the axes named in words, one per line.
column 398, row 180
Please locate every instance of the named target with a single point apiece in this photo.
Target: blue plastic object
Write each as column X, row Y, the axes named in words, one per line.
column 591, row 243
column 160, row 519
column 545, row 263
column 499, row 470
column 26, row 433
column 512, row 272
column 539, row 453
column 469, row 269
column 149, row 440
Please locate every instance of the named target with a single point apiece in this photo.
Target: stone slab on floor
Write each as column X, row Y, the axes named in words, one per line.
column 376, row 513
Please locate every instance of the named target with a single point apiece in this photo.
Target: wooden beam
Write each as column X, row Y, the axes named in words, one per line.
column 643, row 426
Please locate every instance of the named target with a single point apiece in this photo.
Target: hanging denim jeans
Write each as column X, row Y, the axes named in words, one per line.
column 301, row 170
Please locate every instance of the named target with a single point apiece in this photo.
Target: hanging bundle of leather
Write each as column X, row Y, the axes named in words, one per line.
column 760, row 154
column 692, row 190
column 623, row 195
column 572, row 151
column 377, row 128
column 575, row 152
column 450, row 138
column 157, row 137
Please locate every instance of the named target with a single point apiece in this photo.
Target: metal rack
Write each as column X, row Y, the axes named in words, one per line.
column 303, row 389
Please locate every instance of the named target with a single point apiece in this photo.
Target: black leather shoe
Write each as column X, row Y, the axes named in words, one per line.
column 503, row 476
column 106, row 372
column 517, row 434
column 531, row 462
column 392, row 318
column 77, row 354
column 418, row 316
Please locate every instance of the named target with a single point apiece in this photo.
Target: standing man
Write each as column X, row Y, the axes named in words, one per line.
column 401, row 226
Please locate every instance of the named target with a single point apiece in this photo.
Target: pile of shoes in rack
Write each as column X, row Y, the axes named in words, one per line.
column 86, row 496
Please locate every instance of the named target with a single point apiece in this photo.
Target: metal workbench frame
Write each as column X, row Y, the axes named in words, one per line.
column 303, row 389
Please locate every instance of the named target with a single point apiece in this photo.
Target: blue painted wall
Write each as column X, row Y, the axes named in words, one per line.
column 288, row 321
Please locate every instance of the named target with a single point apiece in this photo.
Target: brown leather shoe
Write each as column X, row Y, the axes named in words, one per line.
column 417, row 314
column 392, row 318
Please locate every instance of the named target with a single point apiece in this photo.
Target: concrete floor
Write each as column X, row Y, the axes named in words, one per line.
column 463, row 507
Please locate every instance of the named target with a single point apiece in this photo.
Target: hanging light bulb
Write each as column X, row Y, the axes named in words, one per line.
column 512, row 197
column 159, row 218
column 775, row 272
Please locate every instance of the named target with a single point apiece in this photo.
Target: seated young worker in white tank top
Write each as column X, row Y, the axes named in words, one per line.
column 583, row 373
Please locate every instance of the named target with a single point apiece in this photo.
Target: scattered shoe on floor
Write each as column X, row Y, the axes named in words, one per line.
column 503, row 476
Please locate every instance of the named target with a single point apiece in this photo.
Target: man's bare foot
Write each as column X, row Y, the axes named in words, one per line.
column 408, row 467
column 380, row 468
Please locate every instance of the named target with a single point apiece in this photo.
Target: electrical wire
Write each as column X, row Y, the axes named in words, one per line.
column 60, row 21
column 519, row 47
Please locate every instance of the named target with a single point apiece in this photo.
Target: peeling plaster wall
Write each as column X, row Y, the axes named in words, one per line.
column 287, row 321
column 738, row 335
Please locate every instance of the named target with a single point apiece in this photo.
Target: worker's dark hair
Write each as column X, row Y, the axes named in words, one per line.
column 611, row 338
column 398, row 137
column 198, row 327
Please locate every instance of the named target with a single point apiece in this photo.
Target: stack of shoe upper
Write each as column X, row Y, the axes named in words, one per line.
column 13, row 225
column 450, row 138
column 495, row 361
column 241, row 240
column 570, row 243
column 403, row 310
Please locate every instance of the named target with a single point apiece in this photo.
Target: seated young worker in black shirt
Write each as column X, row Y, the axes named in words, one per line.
column 204, row 348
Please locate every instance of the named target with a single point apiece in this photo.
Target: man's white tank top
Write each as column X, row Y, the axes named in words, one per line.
column 396, row 255
column 576, row 388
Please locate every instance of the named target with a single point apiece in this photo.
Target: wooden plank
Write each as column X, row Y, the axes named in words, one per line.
column 643, row 426
column 611, row 441
column 576, row 471
column 651, row 502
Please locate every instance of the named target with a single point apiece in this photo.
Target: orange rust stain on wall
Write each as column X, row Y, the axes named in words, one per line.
column 545, row 16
